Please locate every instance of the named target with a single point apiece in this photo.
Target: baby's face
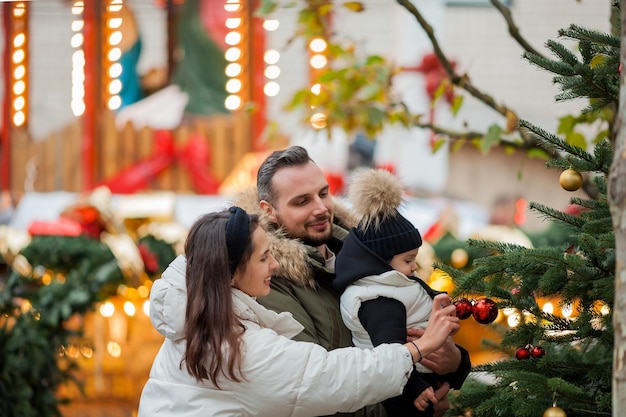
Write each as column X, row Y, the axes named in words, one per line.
column 405, row 262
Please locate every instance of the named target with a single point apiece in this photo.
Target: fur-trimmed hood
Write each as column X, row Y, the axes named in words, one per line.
column 293, row 256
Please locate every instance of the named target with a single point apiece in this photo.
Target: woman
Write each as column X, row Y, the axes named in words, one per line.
column 226, row 355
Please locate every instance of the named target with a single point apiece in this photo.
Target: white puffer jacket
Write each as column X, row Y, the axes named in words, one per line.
column 283, row 377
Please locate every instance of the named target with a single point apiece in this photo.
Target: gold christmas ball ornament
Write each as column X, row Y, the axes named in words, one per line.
column 571, row 180
column 554, row 411
column 459, row 258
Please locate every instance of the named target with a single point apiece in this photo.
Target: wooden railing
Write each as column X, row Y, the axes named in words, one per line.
column 56, row 163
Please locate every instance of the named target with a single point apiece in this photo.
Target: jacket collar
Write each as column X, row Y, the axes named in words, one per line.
column 247, row 308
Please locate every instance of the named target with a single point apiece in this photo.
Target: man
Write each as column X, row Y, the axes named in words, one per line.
column 294, row 196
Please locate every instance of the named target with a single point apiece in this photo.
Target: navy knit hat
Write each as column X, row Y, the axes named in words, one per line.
column 376, row 195
column 394, row 235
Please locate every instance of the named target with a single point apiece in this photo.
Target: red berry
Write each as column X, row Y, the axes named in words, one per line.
column 522, row 353
column 463, row 308
column 485, row 310
column 537, row 352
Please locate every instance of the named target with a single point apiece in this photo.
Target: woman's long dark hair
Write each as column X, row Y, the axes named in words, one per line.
column 212, row 330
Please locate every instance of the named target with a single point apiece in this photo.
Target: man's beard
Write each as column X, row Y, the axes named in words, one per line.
column 316, row 241
column 307, row 239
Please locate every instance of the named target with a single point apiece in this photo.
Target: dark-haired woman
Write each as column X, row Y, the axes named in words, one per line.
column 226, row 355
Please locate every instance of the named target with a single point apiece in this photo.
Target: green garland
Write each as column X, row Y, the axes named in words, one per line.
column 69, row 275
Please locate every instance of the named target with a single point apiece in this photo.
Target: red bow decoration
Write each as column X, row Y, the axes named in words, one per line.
column 194, row 156
column 435, row 75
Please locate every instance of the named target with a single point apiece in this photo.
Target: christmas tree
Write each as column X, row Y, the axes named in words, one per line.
column 559, row 361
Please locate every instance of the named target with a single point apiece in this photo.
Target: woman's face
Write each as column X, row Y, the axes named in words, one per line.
column 254, row 278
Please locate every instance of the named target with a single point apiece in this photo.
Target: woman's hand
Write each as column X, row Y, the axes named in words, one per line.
column 442, row 361
column 443, row 323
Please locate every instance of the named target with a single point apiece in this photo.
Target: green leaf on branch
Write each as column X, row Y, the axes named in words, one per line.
column 491, row 139
column 438, row 144
column 457, row 102
column 576, row 139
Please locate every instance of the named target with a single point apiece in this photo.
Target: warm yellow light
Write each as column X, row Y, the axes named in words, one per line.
column 232, row 7
column 78, row 8
column 318, row 61
column 548, row 308
column 233, row 70
column 115, row 22
column 86, row 350
column 233, row 22
column 115, row 70
column 317, row 45
column 78, row 58
column 78, row 108
column 114, row 102
column 115, row 86
column 146, row 307
column 19, row 72
column 129, row 309
column 271, row 56
column 114, row 8
column 567, row 310
column 271, row 25
column 78, row 76
column 76, row 40
column 19, row 87
column 232, row 38
column 19, row 103
column 26, row 306
column 233, row 86
column 316, row 88
column 232, row 54
column 513, row 320
column 77, row 25
column 318, row 121
column 143, row 291
column 107, row 309
column 19, row 40
column 271, row 89
column 508, row 311
column 72, row 351
column 19, row 10
column 114, row 349
column 272, row 72
column 115, row 38
column 114, row 54
column 232, row 102
column 18, row 56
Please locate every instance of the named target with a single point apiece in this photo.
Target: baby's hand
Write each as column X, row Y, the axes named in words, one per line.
column 422, row 400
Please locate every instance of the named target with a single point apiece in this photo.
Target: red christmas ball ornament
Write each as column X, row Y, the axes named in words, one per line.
column 522, row 353
column 537, row 352
column 485, row 310
column 463, row 308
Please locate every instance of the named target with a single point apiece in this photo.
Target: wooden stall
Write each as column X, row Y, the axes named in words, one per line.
column 54, row 164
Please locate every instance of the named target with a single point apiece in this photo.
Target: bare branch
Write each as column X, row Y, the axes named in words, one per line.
column 462, row 81
column 513, row 29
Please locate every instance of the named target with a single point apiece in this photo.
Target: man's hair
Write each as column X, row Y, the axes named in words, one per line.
column 293, row 156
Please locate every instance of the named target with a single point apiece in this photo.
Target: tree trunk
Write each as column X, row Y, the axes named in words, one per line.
column 617, row 201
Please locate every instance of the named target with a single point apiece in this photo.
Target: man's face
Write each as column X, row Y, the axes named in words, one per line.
column 303, row 206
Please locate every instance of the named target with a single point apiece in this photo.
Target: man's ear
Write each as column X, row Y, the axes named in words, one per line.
column 268, row 209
